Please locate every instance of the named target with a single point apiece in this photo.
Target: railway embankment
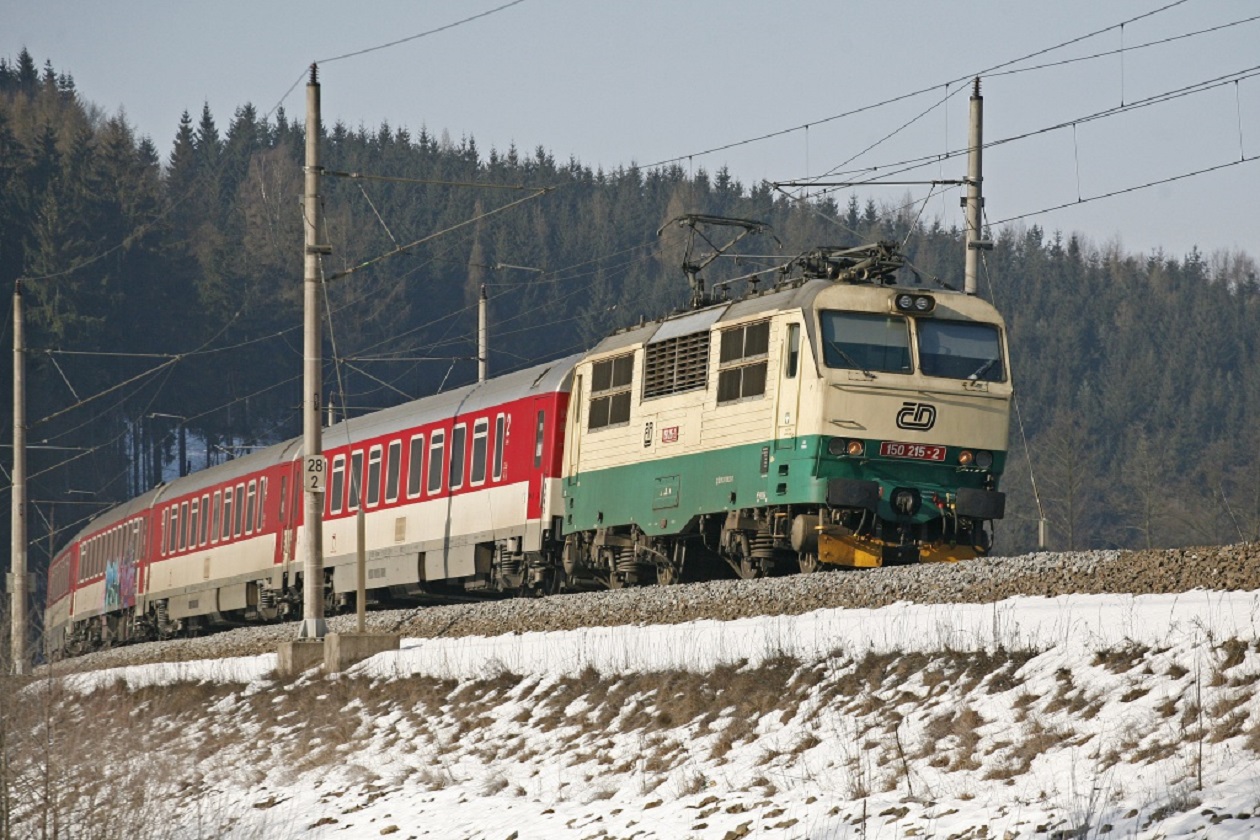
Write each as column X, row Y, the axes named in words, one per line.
column 1046, row 574
column 1066, row 695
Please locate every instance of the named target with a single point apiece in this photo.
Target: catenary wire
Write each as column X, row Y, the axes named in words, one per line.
column 905, row 96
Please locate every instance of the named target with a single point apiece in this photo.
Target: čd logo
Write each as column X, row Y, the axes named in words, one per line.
column 917, row 417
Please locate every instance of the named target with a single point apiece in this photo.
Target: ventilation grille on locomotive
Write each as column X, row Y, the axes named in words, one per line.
column 676, row 365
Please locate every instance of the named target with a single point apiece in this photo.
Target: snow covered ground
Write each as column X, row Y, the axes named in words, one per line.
column 1076, row 716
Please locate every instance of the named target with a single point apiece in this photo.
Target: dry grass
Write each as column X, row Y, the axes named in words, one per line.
column 890, row 716
column 1121, row 660
column 1037, row 739
column 1233, row 652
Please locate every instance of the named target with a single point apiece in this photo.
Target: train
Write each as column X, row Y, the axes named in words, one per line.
column 836, row 419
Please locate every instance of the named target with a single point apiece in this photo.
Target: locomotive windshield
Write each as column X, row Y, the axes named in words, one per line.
column 960, row 350
column 866, row 342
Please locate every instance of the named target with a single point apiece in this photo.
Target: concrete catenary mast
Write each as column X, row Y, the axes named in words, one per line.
column 973, row 202
column 19, row 582
column 314, row 471
column 483, row 349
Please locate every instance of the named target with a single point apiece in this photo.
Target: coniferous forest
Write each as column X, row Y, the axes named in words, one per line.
column 164, row 294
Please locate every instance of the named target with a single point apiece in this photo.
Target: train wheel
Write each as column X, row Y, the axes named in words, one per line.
column 668, row 575
column 808, row 562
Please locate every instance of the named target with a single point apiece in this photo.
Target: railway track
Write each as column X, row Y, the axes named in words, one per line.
column 1234, row 567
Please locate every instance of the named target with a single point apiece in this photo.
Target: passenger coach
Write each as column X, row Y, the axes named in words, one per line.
column 458, row 493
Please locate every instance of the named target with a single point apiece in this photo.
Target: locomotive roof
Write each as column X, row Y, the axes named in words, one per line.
column 540, row 379
column 798, row 295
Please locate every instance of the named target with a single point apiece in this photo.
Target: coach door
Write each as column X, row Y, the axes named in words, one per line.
column 788, row 396
column 291, row 501
column 539, row 458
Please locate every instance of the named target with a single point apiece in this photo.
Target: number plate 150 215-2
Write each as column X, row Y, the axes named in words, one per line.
column 917, row 451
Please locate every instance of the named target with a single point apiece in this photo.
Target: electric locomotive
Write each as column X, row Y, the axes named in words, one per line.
column 837, row 419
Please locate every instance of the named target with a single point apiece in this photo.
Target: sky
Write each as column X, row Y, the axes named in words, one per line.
column 1093, row 677
column 611, row 84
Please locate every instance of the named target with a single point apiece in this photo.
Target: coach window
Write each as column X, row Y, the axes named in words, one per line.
column 337, row 494
column 284, row 491
column 251, row 502
column 194, row 527
column 742, row 372
column 610, row 393
column 214, row 518
column 500, row 428
column 205, row 519
column 459, row 439
column 183, row 526
column 356, row 480
column 172, row 528
column 227, row 513
column 437, row 443
column 374, row 476
column 393, row 468
column 238, row 512
column 481, row 433
column 262, row 503
column 415, row 465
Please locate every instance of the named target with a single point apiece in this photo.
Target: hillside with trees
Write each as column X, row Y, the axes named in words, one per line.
column 163, row 293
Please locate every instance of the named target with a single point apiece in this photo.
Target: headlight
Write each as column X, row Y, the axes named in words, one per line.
column 984, row 460
column 840, row 446
column 913, row 304
column 965, row 458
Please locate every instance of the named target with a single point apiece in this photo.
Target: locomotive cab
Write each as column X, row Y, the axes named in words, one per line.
column 913, row 425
